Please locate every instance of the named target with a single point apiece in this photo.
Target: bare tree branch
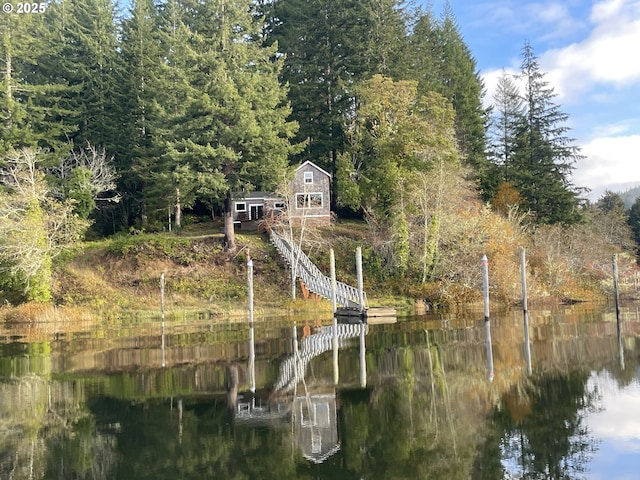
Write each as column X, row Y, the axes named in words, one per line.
column 103, row 175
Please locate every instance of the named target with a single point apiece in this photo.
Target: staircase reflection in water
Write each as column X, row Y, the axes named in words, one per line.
column 308, row 407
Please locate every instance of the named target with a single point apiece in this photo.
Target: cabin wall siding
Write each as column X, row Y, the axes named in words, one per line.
column 309, row 193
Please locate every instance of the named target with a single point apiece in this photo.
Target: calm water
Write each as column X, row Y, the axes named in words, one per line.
column 408, row 400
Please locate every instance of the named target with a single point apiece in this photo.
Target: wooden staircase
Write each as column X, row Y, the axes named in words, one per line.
column 312, row 277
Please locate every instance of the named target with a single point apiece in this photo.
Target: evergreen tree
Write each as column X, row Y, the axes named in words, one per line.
column 178, row 61
column 544, row 156
column 88, row 62
column 442, row 62
column 609, row 219
column 611, row 202
column 461, row 84
column 142, row 52
column 634, row 220
column 508, row 112
column 330, row 46
column 231, row 132
column 30, row 100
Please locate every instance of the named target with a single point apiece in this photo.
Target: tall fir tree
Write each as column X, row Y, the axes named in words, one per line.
column 634, row 221
column 88, row 62
column 232, row 132
column 330, row 46
column 443, row 63
column 544, row 156
column 508, row 113
column 141, row 51
column 31, row 109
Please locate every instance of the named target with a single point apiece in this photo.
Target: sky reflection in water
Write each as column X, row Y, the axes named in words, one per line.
column 616, row 426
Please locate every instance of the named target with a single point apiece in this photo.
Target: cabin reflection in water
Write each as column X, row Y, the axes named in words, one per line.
column 313, row 414
column 315, row 424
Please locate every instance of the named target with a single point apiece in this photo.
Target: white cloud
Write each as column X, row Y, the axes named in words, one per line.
column 619, row 419
column 606, row 57
column 550, row 19
column 605, row 10
column 612, row 130
column 611, row 163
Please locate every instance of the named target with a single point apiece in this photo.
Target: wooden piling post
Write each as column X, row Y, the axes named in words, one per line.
column 487, row 322
column 363, row 356
column 360, row 281
column 616, row 292
column 336, row 370
column 162, row 314
column 252, row 360
column 162, row 296
column 334, row 288
column 525, row 313
column 250, row 284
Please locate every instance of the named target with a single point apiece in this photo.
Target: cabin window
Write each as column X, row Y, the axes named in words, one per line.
column 241, row 207
column 279, row 205
column 316, row 442
column 323, row 419
column 308, row 177
column 309, row 200
column 315, row 414
column 305, row 415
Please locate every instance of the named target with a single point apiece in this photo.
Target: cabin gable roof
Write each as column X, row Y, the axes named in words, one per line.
column 313, row 165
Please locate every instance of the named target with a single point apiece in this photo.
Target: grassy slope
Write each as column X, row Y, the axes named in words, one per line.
column 122, row 274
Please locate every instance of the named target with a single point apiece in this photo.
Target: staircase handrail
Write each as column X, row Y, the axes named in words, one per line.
column 312, row 276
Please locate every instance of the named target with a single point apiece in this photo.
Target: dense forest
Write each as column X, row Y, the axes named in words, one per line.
column 112, row 120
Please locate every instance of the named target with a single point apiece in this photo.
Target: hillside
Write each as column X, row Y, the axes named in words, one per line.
column 121, row 275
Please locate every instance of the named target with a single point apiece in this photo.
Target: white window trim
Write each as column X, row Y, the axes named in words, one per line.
column 308, row 177
column 307, row 196
column 244, row 206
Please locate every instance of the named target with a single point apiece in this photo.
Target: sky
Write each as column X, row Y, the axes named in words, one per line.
column 616, row 427
column 611, row 426
column 590, row 52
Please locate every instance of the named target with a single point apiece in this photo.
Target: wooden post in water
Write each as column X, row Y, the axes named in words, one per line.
column 162, row 314
column 334, row 287
column 296, row 353
column 162, row 296
column 616, row 292
column 363, row 356
column 487, row 323
column 360, row 282
column 252, row 360
column 527, row 345
column 252, row 349
column 336, row 371
column 250, row 282
column 334, row 302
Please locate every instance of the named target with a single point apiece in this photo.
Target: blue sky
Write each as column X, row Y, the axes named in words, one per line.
column 590, row 52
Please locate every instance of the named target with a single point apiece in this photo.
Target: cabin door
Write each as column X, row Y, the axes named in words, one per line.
column 256, row 212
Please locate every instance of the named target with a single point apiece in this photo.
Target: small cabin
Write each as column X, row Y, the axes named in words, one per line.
column 310, row 199
column 252, row 207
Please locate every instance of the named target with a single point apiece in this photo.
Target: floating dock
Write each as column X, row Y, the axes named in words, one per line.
column 368, row 315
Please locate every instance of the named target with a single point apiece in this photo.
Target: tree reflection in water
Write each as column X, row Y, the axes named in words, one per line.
column 539, row 431
column 113, row 410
